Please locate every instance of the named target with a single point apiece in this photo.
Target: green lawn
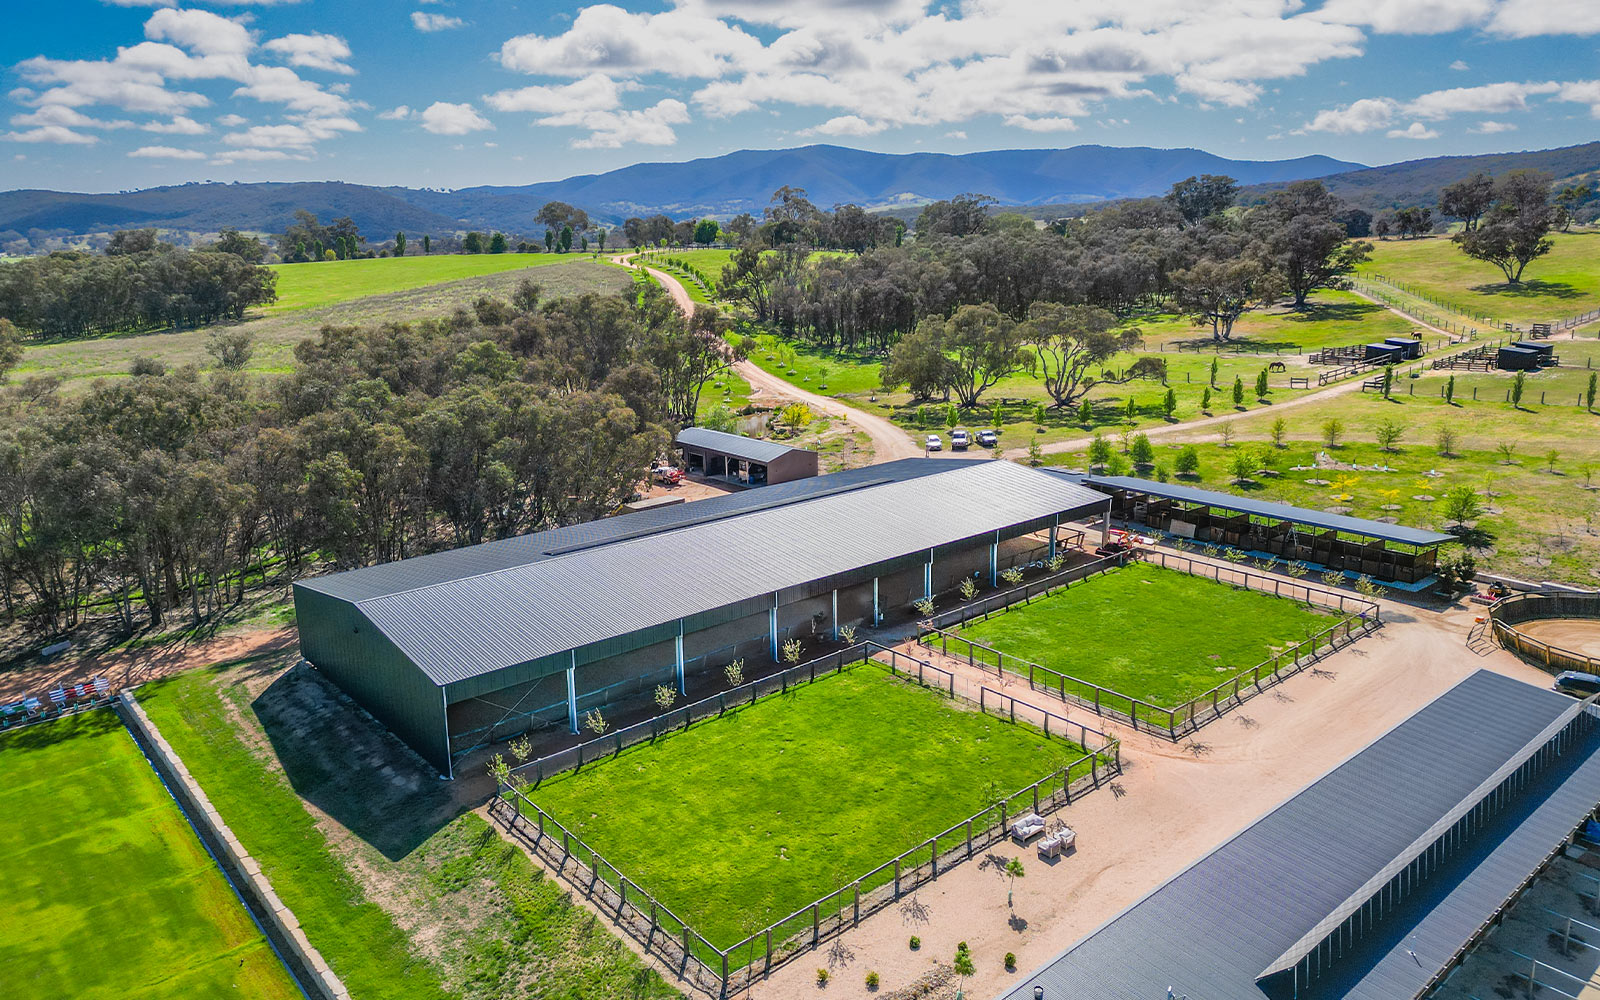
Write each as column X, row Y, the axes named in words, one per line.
column 743, row 819
column 1563, row 283
column 307, row 286
column 1153, row 634
column 107, row 891
column 488, row 923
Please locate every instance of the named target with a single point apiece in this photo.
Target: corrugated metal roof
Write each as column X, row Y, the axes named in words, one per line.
column 1214, row 927
column 473, row 624
column 1266, row 508
column 441, row 567
column 737, row 445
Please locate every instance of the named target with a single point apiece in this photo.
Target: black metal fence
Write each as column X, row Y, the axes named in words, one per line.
column 1358, row 616
column 723, row 971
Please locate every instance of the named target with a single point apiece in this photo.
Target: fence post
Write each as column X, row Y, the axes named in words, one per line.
column 969, row 839
column 933, row 855
column 896, row 878
column 857, row 888
column 816, row 927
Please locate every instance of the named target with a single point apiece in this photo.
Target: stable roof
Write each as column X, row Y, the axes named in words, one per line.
column 479, row 611
column 1219, row 928
column 748, row 448
column 1266, row 508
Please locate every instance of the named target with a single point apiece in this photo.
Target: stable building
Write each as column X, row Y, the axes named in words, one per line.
column 745, row 461
column 1373, row 882
column 454, row 650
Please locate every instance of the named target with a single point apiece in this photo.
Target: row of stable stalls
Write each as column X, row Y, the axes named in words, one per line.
column 1525, row 355
column 1394, row 555
column 1393, row 350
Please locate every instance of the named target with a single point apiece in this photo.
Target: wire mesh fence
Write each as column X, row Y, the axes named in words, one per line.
column 1358, row 616
column 718, row 971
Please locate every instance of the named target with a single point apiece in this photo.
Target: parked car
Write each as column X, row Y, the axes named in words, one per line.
column 1577, row 684
column 934, row 443
column 988, row 438
column 958, row 440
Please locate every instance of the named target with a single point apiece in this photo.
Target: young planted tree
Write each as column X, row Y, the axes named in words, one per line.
column 1142, row 452
column 1205, row 400
column 1238, row 392
column 1014, row 871
column 1445, row 443
column 1215, row 365
column 1242, row 465
column 1550, row 459
column 1461, row 504
column 1519, row 385
column 1187, row 463
column 1331, row 429
column 1589, row 393
column 1508, row 452
column 962, row 966
column 1169, row 404
column 1388, row 433
column 1085, row 414
column 1388, row 380
column 1261, row 384
column 1280, row 427
column 1130, row 412
column 1099, row 451
column 1450, row 391
column 1225, row 432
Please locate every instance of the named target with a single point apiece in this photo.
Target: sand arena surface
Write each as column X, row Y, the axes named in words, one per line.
column 1576, row 635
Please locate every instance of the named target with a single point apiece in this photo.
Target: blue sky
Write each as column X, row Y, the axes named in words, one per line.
column 105, row 95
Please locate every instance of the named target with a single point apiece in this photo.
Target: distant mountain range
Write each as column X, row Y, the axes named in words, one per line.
column 723, row 186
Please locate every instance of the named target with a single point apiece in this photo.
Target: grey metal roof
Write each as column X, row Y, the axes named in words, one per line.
column 737, row 445
column 1211, row 930
column 1266, row 508
column 454, row 564
column 624, row 582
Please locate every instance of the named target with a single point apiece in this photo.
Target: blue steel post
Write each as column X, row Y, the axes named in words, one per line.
column 772, row 620
column 876, row 617
column 994, row 561
column 682, row 682
column 836, row 614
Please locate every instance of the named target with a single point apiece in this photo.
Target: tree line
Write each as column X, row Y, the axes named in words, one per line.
column 75, row 294
column 170, row 493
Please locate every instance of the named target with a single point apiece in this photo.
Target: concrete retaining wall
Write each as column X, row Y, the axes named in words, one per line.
column 276, row 919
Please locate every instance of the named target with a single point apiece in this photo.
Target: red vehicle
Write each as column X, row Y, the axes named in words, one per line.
column 667, row 475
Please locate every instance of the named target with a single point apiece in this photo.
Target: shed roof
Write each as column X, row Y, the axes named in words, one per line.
column 477, row 612
column 1266, row 508
column 1215, row 928
column 748, row 448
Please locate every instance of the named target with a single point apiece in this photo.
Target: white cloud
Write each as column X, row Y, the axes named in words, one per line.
column 1407, row 17
column 1361, row 116
column 424, row 21
column 52, row 133
column 281, row 85
column 1493, row 98
column 1041, row 124
column 314, row 51
column 199, row 31
column 232, row 121
column 955, row 134
column 595, row 92
column 605, row 38
column 256, row 156
column 60, row 114
column 846, row 125
column 167, row 153
column 1527, row 18
column 1492, row 128
column 651, row 126
column 1416, row 130
column 181, row 125
column 1582, row 92
column 397, row 114
column 444, row 118
column 1459, row 65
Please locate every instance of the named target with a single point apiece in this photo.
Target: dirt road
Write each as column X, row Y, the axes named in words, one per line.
column 888, row 441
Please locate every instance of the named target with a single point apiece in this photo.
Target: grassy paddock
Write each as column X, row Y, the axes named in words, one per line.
column 1563, row 283
column 326, row 283
column 107, row 891
column 483, row 921
column 743, row 819
column 1154, row 634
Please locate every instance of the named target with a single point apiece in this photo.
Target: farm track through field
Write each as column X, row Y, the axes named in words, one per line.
column 888, row 441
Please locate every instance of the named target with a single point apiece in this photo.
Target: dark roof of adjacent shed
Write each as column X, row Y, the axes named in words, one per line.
column 748, row 448
column 1266, row 508
column 475, row 613
column 1215, row 927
